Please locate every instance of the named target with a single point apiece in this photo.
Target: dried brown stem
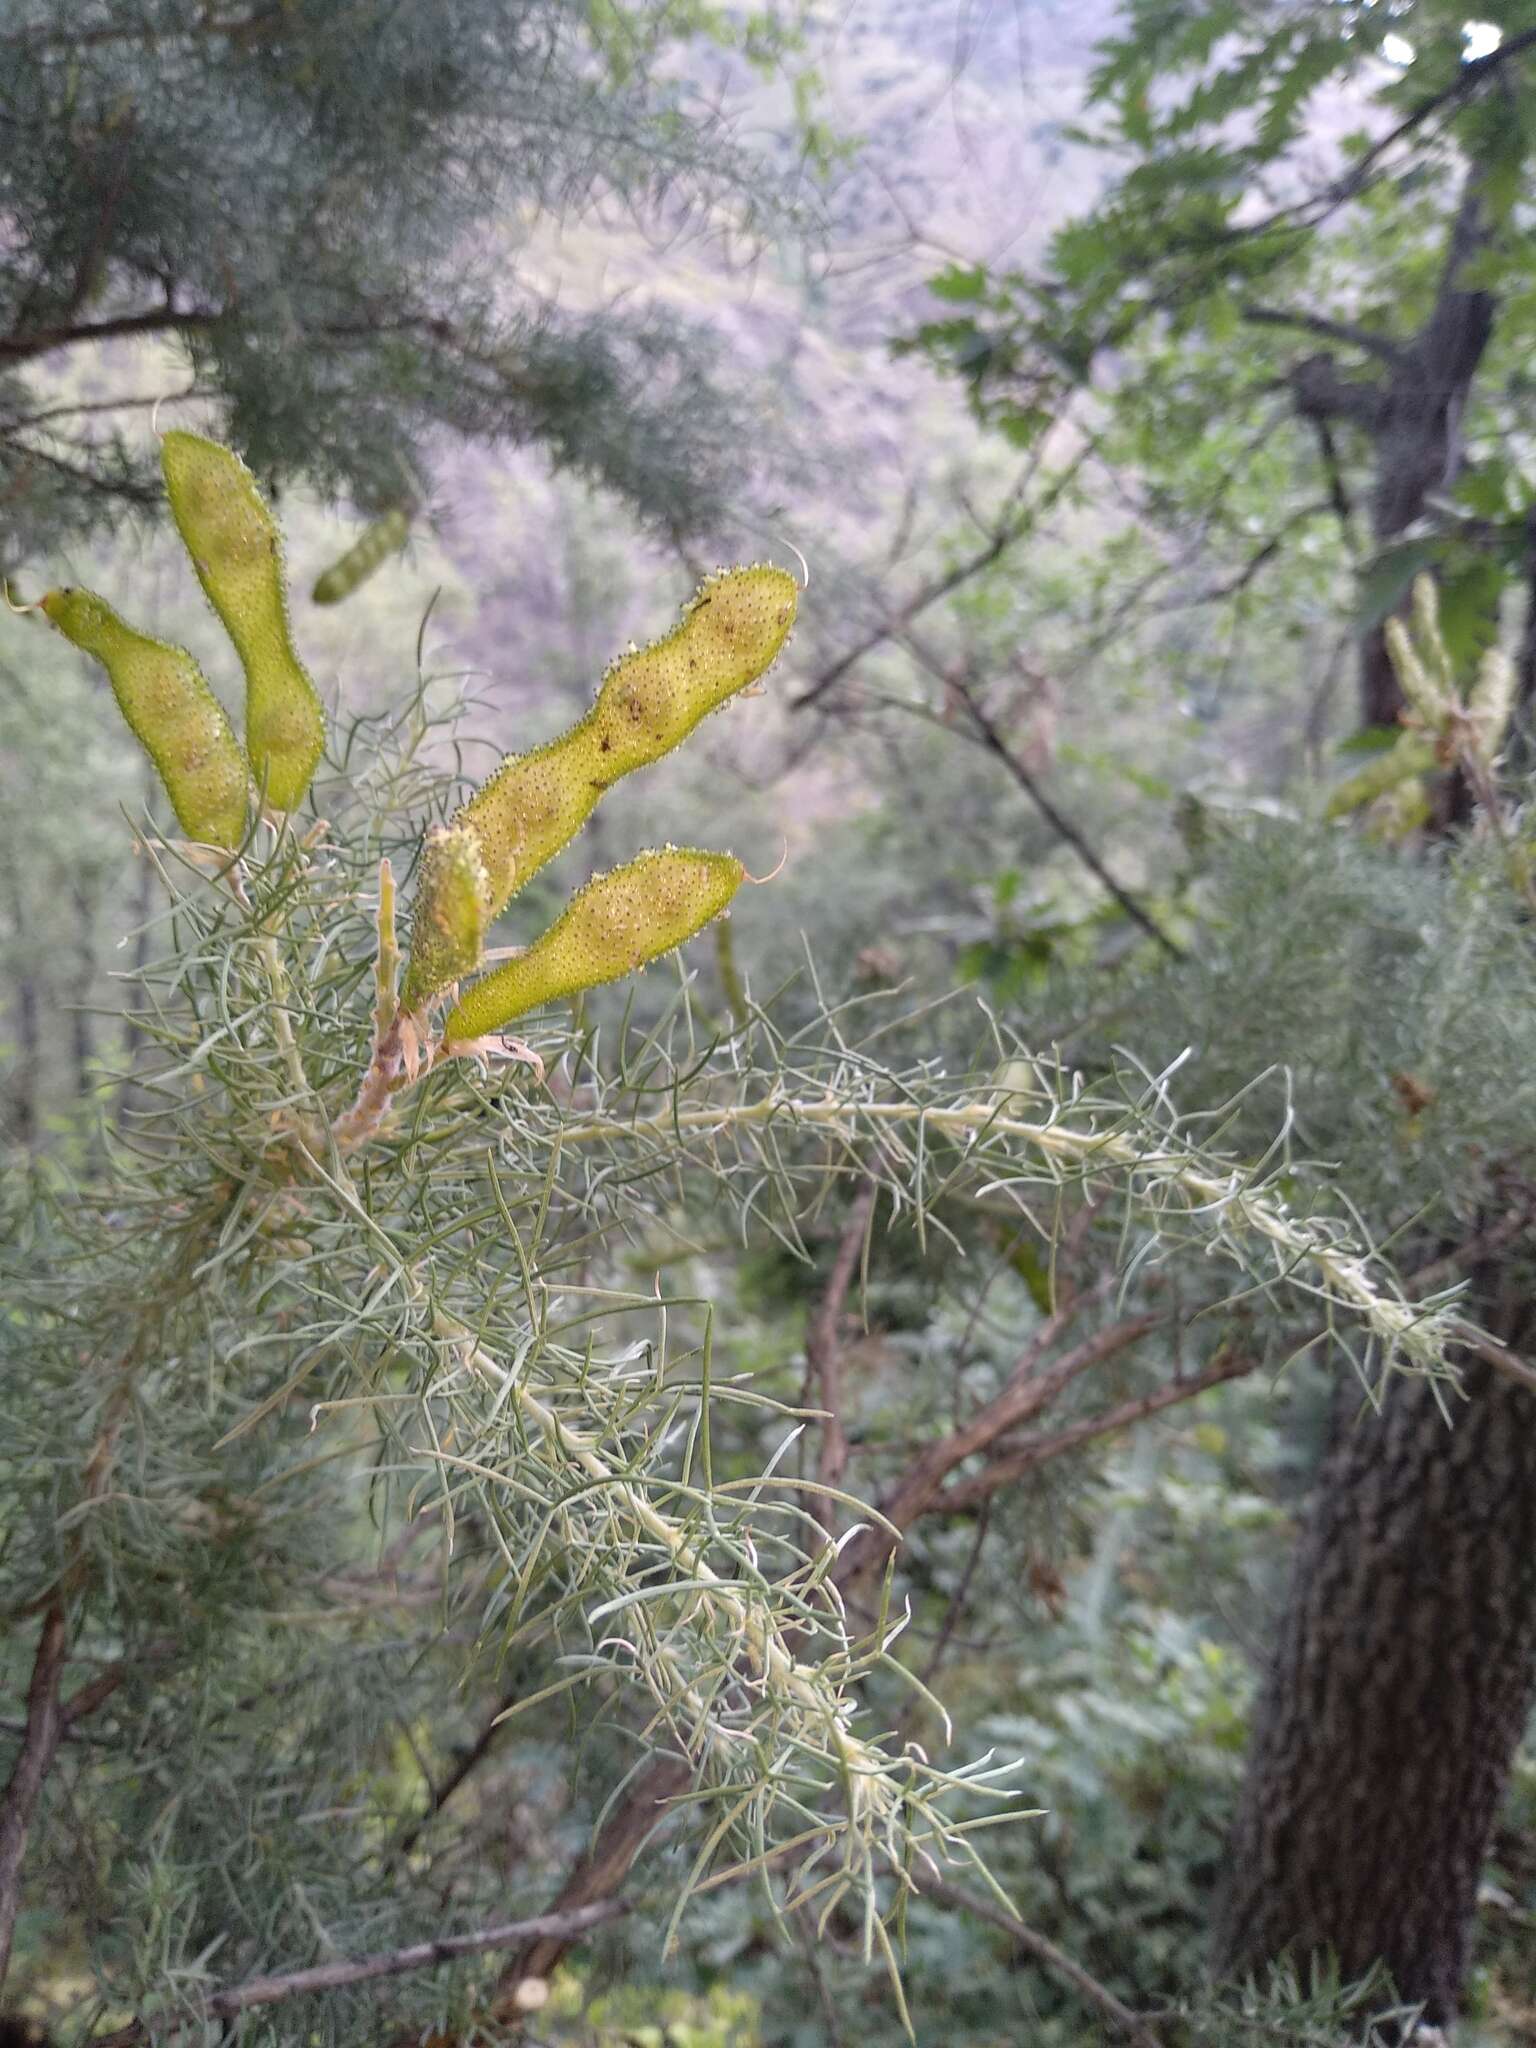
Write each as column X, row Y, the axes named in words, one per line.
column 1028, row 1390
column 976, row 1491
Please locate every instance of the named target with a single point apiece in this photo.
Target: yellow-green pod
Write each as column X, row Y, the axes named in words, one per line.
column 532, row 806
column 373, row 547
column 237, row 552
column 172, row 713
column 448, row 915
column 614, row 925
column 1410, row 755
column 1491, row 703
column 731, row 632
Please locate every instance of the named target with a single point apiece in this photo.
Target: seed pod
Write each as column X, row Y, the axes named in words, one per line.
column 236, row 550
column 372, row 548
column 1433, row 652
column 1411, row 755
column 448, row 915
column 731, row 632
column 176, row 718
column 615, row 924
column 1491, row 703
column 1421, row 688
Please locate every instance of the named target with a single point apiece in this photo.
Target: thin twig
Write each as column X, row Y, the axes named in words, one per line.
column 1059, row 823
column 824, row 1353
column 978, row 1490
column 337, row 1976
column 1046, row 1953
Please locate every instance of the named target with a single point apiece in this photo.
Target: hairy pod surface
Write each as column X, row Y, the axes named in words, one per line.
column 614, row 925
column 170, row 710
column 236, row 550
column 448, row 916
column 373, row 547
column 731, row 632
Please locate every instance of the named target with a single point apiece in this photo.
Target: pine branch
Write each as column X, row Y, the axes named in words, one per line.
column 338, row 1976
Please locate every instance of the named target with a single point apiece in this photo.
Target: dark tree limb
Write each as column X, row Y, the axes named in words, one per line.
column 1012, row 1464
column 1341, row 331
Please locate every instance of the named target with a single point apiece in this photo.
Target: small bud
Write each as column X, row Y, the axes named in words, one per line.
column 448, row 917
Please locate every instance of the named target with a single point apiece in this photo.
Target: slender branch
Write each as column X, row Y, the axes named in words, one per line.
column 1046, row 1953
column 18, row 1806
column 976, row 1491
column 1026, row 1392
column 1009, row 529
column 43, row 340
column 337, row 1976
column 823, row 1352
column 1330, row 330
column 1062, row 825
column 439, row 1795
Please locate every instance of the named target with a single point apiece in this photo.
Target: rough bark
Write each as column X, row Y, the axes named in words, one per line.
column 1398, row 1691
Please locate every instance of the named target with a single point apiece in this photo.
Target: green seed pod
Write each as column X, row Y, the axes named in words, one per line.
column 373, row 547
column 1423, row 689
column 608, row 929
column 1433, row 652
column 236, row 550
column 731, row 632
column 532, row 806
column 448, row 916
column 1491, row 703
column 170, row 710
column 1411, row 755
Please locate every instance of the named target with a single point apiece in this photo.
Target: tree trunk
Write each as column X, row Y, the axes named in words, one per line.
column 1397, row 1696
column 1390, row 1715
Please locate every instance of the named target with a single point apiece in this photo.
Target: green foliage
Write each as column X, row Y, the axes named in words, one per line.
column 291, row 197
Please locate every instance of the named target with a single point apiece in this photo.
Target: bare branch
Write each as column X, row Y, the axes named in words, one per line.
column 976, row 1491
column 1028, row 1390
column 1059, row 823
column 1047, row 1954
column 42, row 341
column 337, row 1976
column 1342, row 331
